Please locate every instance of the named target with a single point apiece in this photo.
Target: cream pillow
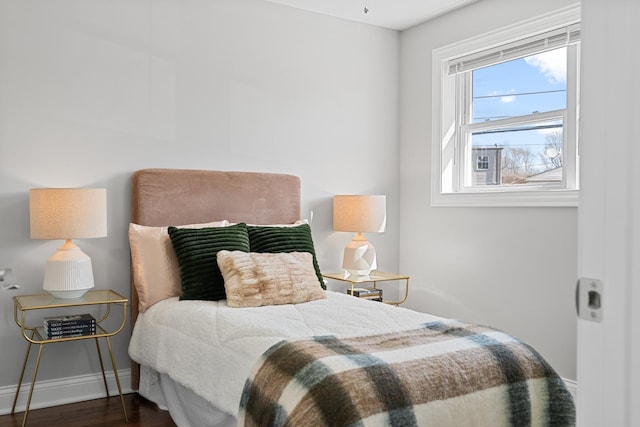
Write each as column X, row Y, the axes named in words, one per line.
column 295, row 224
column 254, row 279
column 156, row 273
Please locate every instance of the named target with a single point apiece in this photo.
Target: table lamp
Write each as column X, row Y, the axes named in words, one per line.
column 68, row 213
column 359, row 214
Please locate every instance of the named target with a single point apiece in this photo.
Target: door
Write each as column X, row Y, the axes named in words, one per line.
column 609, row 213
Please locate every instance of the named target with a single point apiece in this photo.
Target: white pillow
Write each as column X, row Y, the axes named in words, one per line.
column 156, row 273
column 295, row 224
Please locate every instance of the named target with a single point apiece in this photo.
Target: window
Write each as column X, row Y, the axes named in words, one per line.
column 482, row 163
column 505, row 116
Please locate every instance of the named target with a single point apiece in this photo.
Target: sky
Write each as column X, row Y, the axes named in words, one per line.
column 510, row 82
column 519, row 87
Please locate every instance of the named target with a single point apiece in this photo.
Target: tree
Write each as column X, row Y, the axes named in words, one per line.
column 517, row 164
column 552, row 155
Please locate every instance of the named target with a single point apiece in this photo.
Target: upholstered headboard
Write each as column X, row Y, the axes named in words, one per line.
column 162, row 197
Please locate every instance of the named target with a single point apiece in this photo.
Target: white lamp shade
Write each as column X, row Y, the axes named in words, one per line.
column 360, row 213
column 68, row 213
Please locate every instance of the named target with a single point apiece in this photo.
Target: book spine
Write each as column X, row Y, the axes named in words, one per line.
column 75, row 334
column 366, row 294
column 67, row 330
column 71, row 331
column 68, row 335
column 365, row 291
column 69, row 322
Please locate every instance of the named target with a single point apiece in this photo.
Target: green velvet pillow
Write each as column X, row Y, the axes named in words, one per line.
column 274, row 239
column 196, row 251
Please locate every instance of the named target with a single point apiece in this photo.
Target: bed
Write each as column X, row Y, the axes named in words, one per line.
column 275, row 348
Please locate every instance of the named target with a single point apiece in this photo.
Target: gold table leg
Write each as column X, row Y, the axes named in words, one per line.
column 33, row 383
column 104, row 377
column 35, row 373
column 24, row 366
column 115, row 373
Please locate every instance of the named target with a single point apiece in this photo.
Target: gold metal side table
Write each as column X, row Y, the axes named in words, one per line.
column 23, row 304
column 374, row 277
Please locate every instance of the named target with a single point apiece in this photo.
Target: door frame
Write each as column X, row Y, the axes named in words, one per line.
column 609, row 213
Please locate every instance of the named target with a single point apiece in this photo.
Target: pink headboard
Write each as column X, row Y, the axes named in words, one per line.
column 162, row 197
column 178, row 196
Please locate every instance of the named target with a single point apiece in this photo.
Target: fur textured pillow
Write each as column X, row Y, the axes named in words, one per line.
column 254, row 279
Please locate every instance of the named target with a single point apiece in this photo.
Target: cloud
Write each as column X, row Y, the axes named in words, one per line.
column 505, row 99
column 552, row 64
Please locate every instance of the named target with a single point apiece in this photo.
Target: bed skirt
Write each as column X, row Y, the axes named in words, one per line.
column 186, row 408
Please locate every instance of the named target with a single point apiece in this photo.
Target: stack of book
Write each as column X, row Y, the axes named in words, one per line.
column 69, row 326
column 372, row 294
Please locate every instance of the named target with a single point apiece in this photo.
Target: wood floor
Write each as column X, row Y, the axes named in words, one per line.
column 105, row 412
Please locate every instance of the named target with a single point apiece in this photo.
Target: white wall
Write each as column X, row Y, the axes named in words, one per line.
column 91, row 91
column 512, row 268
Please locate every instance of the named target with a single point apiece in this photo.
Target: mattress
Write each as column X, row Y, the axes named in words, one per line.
column 210, row 348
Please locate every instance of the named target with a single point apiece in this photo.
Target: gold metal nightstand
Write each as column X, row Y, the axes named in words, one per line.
column 23, row 304
column 374, row 277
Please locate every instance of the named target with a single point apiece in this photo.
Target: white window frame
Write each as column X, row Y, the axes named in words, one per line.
column 447, row 143
column 484, row 161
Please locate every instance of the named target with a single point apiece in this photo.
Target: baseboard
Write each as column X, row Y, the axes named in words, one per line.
column 65, row 390
column 572, row 386
column 86, row 387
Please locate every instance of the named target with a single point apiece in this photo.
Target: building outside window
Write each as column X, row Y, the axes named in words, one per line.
column 488, row 170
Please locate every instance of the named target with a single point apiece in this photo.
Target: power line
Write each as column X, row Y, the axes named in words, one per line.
column 519, row 94
column 493, row 146
column 520, row 129
column 488, row 118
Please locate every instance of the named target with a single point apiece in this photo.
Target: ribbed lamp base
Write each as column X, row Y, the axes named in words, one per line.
column 68, row 273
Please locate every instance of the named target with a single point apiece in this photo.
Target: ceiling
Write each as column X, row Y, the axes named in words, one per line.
column 394, row 14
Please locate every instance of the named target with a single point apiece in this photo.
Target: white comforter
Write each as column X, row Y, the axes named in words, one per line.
column 210, row 348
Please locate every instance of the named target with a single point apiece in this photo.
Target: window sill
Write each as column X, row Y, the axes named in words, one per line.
column 548, row 198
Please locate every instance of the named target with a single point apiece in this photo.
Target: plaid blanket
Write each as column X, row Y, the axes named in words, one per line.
column 443, row 374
